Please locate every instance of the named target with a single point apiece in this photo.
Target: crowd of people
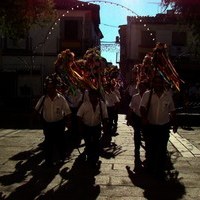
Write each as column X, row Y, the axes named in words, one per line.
column 92, row 116
column 91, row 113
column 84, row 114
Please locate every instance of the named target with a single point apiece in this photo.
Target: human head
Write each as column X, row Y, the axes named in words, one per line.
column 158, row 83
column 52, row 82
column 93, row 95
column 142, row 86
column 108, row 87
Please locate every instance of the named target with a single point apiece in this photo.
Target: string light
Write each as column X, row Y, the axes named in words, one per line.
column 128, row 9
column 88, row 3
column 111, row 47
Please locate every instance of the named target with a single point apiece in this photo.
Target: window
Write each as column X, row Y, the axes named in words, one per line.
column 71, row 29
column 179, row 38
column 22, row 44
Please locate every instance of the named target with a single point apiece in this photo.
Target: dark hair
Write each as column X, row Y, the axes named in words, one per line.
column 158, row 76
column 53, row 79
column 93, row 92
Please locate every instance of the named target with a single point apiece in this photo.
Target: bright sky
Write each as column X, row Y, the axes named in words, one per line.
column 113, row 15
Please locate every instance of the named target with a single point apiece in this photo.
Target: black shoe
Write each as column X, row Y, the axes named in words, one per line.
column 60, row 162
column 42, row 145
column 97, row 168
column 48, row 164
column 115, row 134
column 138, row 167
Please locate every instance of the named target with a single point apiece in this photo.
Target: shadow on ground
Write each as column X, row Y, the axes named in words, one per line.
column 30, row 176
column 32, row 180
column 169, row 188
column 76, row 183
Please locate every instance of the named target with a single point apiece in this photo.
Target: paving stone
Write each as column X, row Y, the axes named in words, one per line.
column 23, row 176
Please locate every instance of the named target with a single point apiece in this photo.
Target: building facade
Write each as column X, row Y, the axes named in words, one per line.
column 140, row 35
column 24, row 64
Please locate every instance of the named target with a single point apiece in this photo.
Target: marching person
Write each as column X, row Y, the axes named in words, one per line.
column 74, row 99
column 131, row 88
column 112, row 103
column 134, row 119
column 90, row 115
column 156, row 117
column 116, row 91
column 56, row 116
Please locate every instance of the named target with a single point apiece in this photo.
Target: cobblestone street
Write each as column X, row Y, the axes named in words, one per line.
column 24, row 177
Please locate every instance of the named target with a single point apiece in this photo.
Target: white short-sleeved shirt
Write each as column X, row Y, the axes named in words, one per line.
column 135, row 104
column 160, row 107
column 74, row 99
column 132, row 89
column 92, row 117
column 117, row 92
column 54, row 110
column 86, row 96
column 111, row 99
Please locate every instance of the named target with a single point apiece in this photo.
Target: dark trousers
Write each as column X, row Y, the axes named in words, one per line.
column 112, row 116
column 156, row 140
column 75, row 136
column 54, row 139
column 137, row 127
column 115, row 120
column 91, row 136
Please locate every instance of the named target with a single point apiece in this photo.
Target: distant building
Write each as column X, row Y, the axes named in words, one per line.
column 24, row 65
column 136, row 39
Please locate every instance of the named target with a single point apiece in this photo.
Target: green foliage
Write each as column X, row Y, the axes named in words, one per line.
column 17, row 16
column 189, row 11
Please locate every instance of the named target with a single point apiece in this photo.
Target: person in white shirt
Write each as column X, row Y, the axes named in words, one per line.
column 91, row 115
column 132, row 86
column 112, row 103
column 116, row 91
column 56, row 116
column 134, row 119
column 74, row 98
column 158, row 112
column 130, row 90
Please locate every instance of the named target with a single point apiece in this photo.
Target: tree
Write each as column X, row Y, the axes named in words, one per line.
column 189, row 11
column 17, row 16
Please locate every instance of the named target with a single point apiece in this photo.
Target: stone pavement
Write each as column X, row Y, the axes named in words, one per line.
column 23, row 176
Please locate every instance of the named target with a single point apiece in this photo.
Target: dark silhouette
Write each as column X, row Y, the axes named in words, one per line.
column 30, row 165
column 156, row 189
column 77, row 183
